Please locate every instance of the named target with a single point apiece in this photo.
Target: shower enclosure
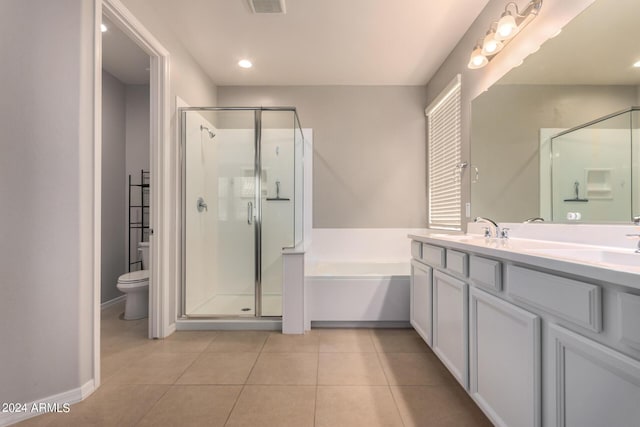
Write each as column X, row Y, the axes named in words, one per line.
column 242, row 204
column 595, row 169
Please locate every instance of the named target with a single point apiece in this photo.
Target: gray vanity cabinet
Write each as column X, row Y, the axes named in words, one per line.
column 420, row 307
column 591, row 385
column 504, row 359
column 451, row 324
column 533, row 347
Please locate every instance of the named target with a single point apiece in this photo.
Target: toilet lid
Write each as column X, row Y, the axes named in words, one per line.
column 134, row 276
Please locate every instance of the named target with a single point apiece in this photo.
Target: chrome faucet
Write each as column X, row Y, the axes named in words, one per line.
column 493, row 230
column 636, row 220
column 535, row 219
column 638, row 237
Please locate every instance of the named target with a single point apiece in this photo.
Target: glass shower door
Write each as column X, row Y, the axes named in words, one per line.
column 219, row 213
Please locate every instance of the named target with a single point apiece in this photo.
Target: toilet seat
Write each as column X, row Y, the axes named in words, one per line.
column 134, row 279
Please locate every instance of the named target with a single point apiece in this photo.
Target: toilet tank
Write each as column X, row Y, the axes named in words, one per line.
column 143, row 248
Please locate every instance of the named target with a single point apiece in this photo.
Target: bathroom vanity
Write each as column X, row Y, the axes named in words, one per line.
column 540, row 333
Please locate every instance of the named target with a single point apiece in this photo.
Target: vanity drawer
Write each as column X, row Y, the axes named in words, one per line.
column 630, row 319
column 416, row 249
column 486, row 273
column 433, row 255
column 575, row 301
column 458, row 262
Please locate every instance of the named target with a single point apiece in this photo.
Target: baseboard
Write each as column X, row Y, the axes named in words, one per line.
column 55, row 403
column 111, row 302
column 385, row 324
column 228, row 325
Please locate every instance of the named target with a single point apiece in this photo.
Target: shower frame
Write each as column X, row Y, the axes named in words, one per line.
column 257, row 200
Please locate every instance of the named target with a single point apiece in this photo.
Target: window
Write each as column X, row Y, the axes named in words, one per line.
column 444, row 158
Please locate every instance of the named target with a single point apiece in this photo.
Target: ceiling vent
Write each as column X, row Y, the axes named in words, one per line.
column 267, row 6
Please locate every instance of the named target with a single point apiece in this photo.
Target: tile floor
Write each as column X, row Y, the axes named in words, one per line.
column 328, row 377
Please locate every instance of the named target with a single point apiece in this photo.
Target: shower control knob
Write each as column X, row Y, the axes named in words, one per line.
column 202, row 206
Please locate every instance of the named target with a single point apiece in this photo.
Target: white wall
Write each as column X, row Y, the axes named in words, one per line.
column 114, row 207
column 554, row 15
column 369, row 150
column 201, row 268
column 46, row 197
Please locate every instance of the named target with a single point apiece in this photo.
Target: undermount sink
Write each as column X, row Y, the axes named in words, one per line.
column 630, row 258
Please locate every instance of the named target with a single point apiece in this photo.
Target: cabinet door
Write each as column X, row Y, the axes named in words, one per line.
column 451, row 325
column 594, row 385
column 504, row 351
column 420, row 316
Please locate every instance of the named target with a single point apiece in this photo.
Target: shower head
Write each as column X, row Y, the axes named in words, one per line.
column 211, row 134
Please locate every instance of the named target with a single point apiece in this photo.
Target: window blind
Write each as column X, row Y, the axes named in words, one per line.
column 444, row 158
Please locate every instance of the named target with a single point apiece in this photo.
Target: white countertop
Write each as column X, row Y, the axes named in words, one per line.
column 601, row 263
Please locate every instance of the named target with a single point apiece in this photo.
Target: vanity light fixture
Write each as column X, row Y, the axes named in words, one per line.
column 636, row 64
column 511, row 22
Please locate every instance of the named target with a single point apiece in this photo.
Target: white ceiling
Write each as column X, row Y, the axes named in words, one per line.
column 320, row 42
column 598, row 47
column 122, row 58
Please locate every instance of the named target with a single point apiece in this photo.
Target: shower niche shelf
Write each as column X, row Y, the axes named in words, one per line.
column 138, row 217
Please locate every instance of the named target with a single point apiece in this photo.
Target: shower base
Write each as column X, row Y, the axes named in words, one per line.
column 236, row 305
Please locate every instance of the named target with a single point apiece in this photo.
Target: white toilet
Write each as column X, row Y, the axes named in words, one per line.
column 136, row 287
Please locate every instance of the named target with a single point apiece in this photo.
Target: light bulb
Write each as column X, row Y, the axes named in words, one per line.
column 477, row 60
column 245, row 63
column 103, row 28
column 491, row 46
column 507, row 27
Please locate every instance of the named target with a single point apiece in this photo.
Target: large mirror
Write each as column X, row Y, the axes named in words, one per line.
column 536, row 142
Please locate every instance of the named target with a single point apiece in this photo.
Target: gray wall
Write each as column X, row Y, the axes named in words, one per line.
column 510, row 192
column 554, row 15
column 114, row 207
column 46, row 198
column 369, row 150
column 138, row 158
column 137, row 129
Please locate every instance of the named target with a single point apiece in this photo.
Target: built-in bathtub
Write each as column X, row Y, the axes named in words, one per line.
column 357, row 293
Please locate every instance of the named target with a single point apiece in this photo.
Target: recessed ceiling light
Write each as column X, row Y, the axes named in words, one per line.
column 245, row 63
column 637, row 64
column 103, row 28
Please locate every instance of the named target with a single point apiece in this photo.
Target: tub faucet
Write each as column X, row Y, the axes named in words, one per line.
column 493, row 230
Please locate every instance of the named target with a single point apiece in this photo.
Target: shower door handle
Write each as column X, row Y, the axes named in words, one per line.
column 249, row 213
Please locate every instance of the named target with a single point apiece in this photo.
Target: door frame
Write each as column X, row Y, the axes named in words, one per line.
column 161, row 196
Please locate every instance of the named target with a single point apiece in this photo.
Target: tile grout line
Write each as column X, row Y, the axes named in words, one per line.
column 154, row 404
column 170, row 386
column 235, row 403
column 393, row 397
column 315, row 400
